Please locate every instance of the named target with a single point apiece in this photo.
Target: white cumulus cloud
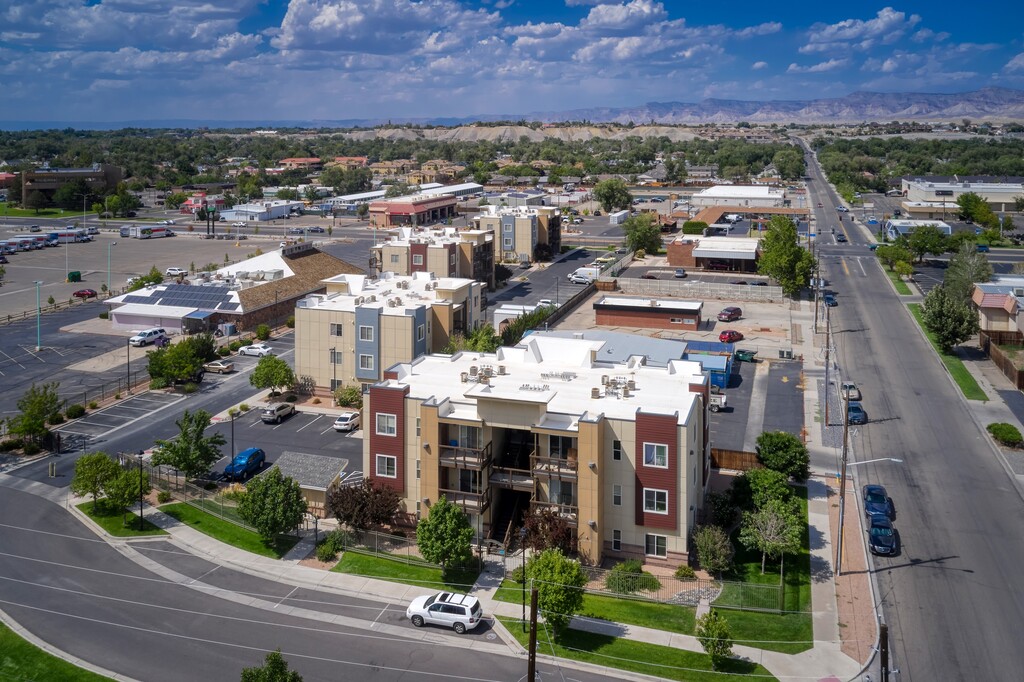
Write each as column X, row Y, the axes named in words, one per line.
column 822, row 67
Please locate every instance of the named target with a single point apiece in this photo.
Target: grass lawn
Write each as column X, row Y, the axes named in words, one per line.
column 627, row 654
column 20, row 660
column 227, row 532
column 953, row 364
column 41, row 213
column 902, row 288
column 113, row 522
column 396, row 570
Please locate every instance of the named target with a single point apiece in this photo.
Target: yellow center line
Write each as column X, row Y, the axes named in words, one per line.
column 845, row 269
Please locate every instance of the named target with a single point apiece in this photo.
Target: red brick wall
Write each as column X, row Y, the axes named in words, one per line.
column 388, row 400
column 662, row 429
column 421, row 251
column 680, row 254
column 653, row 318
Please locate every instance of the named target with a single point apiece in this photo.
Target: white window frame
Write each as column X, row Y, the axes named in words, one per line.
column 417, row 426
column 366, row 362
column 507, row 242
column 421, row 332
column 336, row 356
column 395, row 259
column 655, row 447
column 451, row 259
column 417, row 259
column 617, row 495
column 664, row 541
column 390, row 424
column 384, row 459
column 337, row 329
column 365, row 332
column 617, row 450
column 417, row 469
column 616, row 540
column 657, row 493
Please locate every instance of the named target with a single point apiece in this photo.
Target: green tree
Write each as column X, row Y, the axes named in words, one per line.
column 272, row 372
column 444, row 537
column 966, row 268
column 642, row 233
column 712, row 631
column 175, row 363
column 926, row 239
column 973, row 207
column 349, row 396
column 755, row 487
column 400, row 189
column 613, row 194
column 559, row 581
column 362, row 210
column 783, row 259
column 312, row 193
column 903, row 269
column 35, row 407
column 364, row 506
column 956, row 240
column 72, row 195
column 192, row 452
column 483, row 339
column 714, row 551
column 694, row 227
column 1018, row 204
column 274, row 669
column 92, row 472
column 153, row 277
column 773, row 530
column 789, row 163
column 175, row 200
column 273, row 504
column 547, row 528
column 126, row 487
column 785, row 453
column 287, row 193
column 950, row 319
column 35, row 200
column 891, row 254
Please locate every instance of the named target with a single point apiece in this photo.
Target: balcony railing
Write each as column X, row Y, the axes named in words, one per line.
column 516, row 479
column 470, row 502
column 465, row 458
column 569, row 512
column 559, row 466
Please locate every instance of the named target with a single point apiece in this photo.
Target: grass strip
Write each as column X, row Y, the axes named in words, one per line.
column 227, row 532
column 628, row 654
column 113, row 521
column 968, row 386
column 902, row 288
column 22, row 660
column 398, row 571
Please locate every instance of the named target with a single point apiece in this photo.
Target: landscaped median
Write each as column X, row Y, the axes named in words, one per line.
column 968, row 386
column 114, row 522
column 22, row 660
column 902, row 288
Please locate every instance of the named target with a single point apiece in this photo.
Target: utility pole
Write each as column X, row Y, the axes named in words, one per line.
column 883, row 650
column 531, row 665
column 842, row 479
column 828, row 360
column 817, row 289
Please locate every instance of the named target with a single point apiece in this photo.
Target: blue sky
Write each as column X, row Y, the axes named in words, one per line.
column 116, row 60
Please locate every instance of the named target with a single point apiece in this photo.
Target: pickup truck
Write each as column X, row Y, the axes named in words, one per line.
column 716, row 402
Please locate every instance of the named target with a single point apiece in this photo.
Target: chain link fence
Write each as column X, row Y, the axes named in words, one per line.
column 213, row 502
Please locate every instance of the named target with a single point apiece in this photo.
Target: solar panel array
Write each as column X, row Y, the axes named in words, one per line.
column 185, row 296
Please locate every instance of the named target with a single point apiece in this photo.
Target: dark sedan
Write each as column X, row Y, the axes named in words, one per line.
column 855, row 414
column 831, row 301
column 877, row 501
column 882, row 536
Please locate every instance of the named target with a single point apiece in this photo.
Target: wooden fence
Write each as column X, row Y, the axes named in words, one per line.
column 733, row 459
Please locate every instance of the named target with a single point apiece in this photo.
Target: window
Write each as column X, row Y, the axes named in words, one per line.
column 507, row 241
column 336, row 329
column 451, row 259
column 616, row 540
column 336, row 356
column 336, row 384
column 421, row 332
column 507, row 227
column 656, row 455
column 365, row 333
column 387, row 466
column 417, row 259
column 417, row 426
column 387, row 424
column 654, row 545
column 417, row 469
column 616, row 450
column 655, row 501
column 366, row 362
column 617, row 495
column 394, row 259
column 675, row 320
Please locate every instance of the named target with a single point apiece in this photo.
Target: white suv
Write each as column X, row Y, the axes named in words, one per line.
column 176, row 272
column 147, row 336
column 257, row 349
column 460, row 612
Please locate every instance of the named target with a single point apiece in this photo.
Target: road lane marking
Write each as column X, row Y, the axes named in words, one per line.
column 845, row 268
column 862, row 270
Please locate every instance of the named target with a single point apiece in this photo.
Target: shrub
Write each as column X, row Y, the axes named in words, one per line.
column 117, row 396
column 263, row 332
column 785, row 453
column 105, row 315
column 55, row 418
column 714, row 551
column 349, row 396
column 10, row 444
column 163, row 497
column 234, row 492
column 291, row 398
column 223, row 351
column 316, row 401
column 1006, row 434
column 235, row 345
column 290, row 322
column 31, row 448
column 74, row 411
column 629, row 577
column 516, row 574
column 640, row 253
column 158, row 383
column 93, row 404
column 190, row 387
column 694, row 227
column 244, row 407
column 332, row 543
column 722, row 508
column 685, row 572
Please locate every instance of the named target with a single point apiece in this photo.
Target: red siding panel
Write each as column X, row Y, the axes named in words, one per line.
column 388, row 400
column 421, row 251
column 663, row 429
column 648, row 319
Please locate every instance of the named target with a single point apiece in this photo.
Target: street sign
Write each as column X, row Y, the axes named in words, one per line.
column 813, row 234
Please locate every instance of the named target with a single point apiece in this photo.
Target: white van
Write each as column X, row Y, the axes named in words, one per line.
column 147, row 336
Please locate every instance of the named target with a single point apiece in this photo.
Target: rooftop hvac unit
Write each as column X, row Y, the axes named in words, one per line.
column 465, row 377
column 359, row 300
column 501, row 370
column 391, row 303
column 625, row 392
column 472, row 370
column 484, row 379
column 595, row 392
column 604, row 379
column 631, row 385
column 372, row 298
column 1018, row 292
column 488, row 371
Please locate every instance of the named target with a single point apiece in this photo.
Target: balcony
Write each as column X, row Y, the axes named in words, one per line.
column 514, row 479
column 568, row 512
column 565, row 467
column 470, row 502
column 465, row 458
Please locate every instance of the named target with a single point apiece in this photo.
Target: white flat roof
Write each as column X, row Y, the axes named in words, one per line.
column 445, row 189
column 655, row 303
column 150, row 310
column 740, row 191
column 557, row 372
column 970, row 186
column 385, row 288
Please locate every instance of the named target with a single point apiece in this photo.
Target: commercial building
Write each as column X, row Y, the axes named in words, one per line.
column 360, row 325
column 262, row 210
column 521, row 199
column 99, row 177
column 445, row 253
column 352, row 201
column 619, row 450
column 729, row 254
column 933, row 198
column 895, row 228
column 412, row 210
column 739, row 195
column 520, row 231
column 648, row 313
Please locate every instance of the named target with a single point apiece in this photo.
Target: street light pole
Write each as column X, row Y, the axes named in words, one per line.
column 128, row 367
column 522, row 541
column 109, row 246
column 38, row 315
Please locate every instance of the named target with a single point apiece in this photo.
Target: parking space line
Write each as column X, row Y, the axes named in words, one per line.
column 315, row 419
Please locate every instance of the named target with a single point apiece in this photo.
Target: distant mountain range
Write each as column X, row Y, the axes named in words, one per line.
column 987, row 104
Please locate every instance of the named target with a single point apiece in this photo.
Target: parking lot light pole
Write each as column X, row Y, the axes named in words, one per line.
column 38, row 315
column 522, row 541
column 109, row 246
column 128, row 367
column 141, row 521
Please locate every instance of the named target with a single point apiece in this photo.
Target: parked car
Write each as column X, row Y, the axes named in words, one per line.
column 460, row 612
column 729, row 314
column 855, row 414
column 347, row 421
column 147, row 336
column 579, row 279
column 35, row 228
column 295, row 230
column 3, row 260
column 680, row 273
column 740, row 282
column 257, row 349
column 877, row 501
column 983, row 248
column 881, row 536
column 850, row 390
column 597, row 213
column 275, row 412
column 648, row 275
column 730, row 336
column 843, row 209
column 872, row 247
column 316, row 228
column 220, row 367
column 841, row 238
column 85, row 293
column 830, row 300
column 577, row 221
column 238, row 223
column 245, row 464
column 175, row 272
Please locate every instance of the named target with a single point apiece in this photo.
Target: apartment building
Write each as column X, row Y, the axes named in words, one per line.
column 361, row 325
column 521, row 230
column 301, row 163
column 445, row 253
column 619, row 450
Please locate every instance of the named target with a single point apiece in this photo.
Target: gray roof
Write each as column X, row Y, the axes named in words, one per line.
column 316, row 472
column 620, row 346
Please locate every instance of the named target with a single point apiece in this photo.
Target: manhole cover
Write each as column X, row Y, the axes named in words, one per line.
column 491, row 635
